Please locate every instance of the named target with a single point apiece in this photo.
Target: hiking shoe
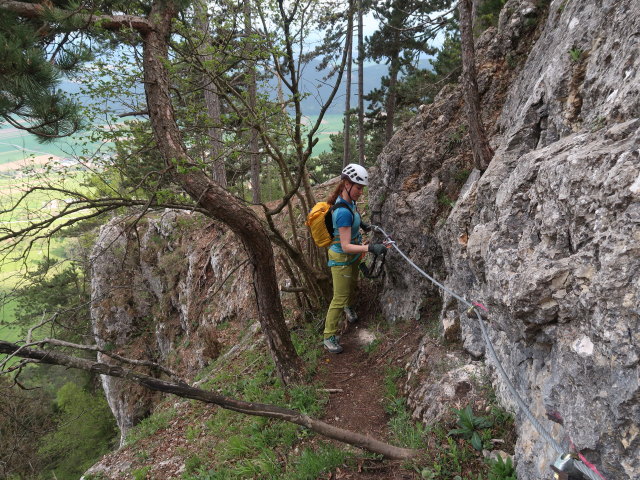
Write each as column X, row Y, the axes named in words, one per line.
column 332, row 345
column 352, row 316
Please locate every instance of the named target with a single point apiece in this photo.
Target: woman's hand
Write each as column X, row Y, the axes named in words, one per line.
column 377, row 248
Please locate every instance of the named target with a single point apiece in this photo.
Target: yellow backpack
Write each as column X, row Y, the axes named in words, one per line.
column 320, row 222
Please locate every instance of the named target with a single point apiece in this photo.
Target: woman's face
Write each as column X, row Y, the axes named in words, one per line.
column 354, row 190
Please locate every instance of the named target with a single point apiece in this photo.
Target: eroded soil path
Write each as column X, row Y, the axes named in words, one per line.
column 356, row 381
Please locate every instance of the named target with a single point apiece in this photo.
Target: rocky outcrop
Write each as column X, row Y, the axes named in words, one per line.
column 548, row 238
column 159, row 286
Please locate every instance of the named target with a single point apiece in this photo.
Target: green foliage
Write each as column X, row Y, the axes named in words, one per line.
column 488, row 14
column 311, row 464
column 372, row 346
column 444, row 199
column 470, row 426
column 55, row 287
column 405, row 431
column 150, row 425
column 447, row 458
column 141, row 473
column 85, row 431
column 329, row 164
column 461, row 175
column 575, row 54
column 500, row 469
column 447, row 65
column 29, row 99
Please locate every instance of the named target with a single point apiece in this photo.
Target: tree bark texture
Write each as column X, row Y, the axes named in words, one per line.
column 250, row 75
column 347, row 101
column 391, row 97
column 211, row 99
column 360, row 84
column 183, row 390
column 482, row 152
column 217, row 201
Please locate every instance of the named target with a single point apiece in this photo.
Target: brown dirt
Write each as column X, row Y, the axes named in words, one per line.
column 358, row 377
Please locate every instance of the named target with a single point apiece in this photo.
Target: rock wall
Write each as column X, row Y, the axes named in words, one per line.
column 159, row 285
column 548, row 237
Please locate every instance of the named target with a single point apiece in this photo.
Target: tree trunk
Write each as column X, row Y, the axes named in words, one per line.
column 482, row 152
column 360, row 84
column 250, row 74
column 211, row 99
column 347, row 102
column 183, row 390
column 391, row 98
column 217, row 201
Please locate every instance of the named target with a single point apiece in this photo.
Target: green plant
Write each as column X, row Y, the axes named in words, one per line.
column 142, row 455
column 150, row 425
column 562, row 6
column 462, row 175
column 85, row 430
column 372, row 346
column 444, row 199
column 311, row 464
column 192, row 433
column 141, row 473
column 500, row 469
column 575, row 54
column 470, row 426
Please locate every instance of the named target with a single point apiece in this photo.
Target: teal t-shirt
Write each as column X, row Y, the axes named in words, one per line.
column 345, row 217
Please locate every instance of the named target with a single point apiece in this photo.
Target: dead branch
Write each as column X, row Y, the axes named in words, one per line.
column 183, row 390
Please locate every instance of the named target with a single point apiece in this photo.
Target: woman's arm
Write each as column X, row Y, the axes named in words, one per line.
column 345, row 242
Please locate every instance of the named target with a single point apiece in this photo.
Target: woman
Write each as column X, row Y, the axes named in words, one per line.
column 346, row 250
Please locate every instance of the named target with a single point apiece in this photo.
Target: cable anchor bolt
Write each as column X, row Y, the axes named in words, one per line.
column 564, row 468
column 479, row 309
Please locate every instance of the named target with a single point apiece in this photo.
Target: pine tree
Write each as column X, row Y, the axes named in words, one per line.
column 31, row 67
column 404, row 34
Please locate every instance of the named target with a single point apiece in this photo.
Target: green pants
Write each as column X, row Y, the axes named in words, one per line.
column 345, row 280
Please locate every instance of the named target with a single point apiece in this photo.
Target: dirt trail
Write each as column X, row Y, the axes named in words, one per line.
column 358, row 406
column 358, row 377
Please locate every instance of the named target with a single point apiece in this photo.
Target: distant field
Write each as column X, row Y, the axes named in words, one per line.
column 16, row 145
column 331, row 124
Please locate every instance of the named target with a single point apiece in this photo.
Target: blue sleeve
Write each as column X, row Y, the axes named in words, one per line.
column 343, row 217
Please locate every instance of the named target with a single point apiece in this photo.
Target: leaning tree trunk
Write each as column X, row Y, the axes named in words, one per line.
column 218, row 202
column 482, row 152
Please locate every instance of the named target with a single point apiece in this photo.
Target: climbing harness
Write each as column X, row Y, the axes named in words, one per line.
column 567, row 466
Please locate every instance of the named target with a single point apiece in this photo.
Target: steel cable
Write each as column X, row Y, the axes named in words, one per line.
column 525, row 409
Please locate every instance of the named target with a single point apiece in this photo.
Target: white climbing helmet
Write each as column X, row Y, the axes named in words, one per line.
column 356, row 173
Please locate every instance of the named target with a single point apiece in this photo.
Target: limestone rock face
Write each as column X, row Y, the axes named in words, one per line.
column 548, row 237
column 158, row 288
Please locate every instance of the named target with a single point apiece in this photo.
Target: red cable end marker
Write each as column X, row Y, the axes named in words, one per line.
column 478, row 304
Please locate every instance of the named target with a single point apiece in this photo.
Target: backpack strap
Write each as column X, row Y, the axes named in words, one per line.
column 328, row 219
column 336, row 240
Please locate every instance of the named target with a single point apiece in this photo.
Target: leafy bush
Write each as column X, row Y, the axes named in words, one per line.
column 502, row 470
column 470, row 426
column 85, row 431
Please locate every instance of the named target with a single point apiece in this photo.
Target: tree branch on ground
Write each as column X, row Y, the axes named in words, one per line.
column 184, row 390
